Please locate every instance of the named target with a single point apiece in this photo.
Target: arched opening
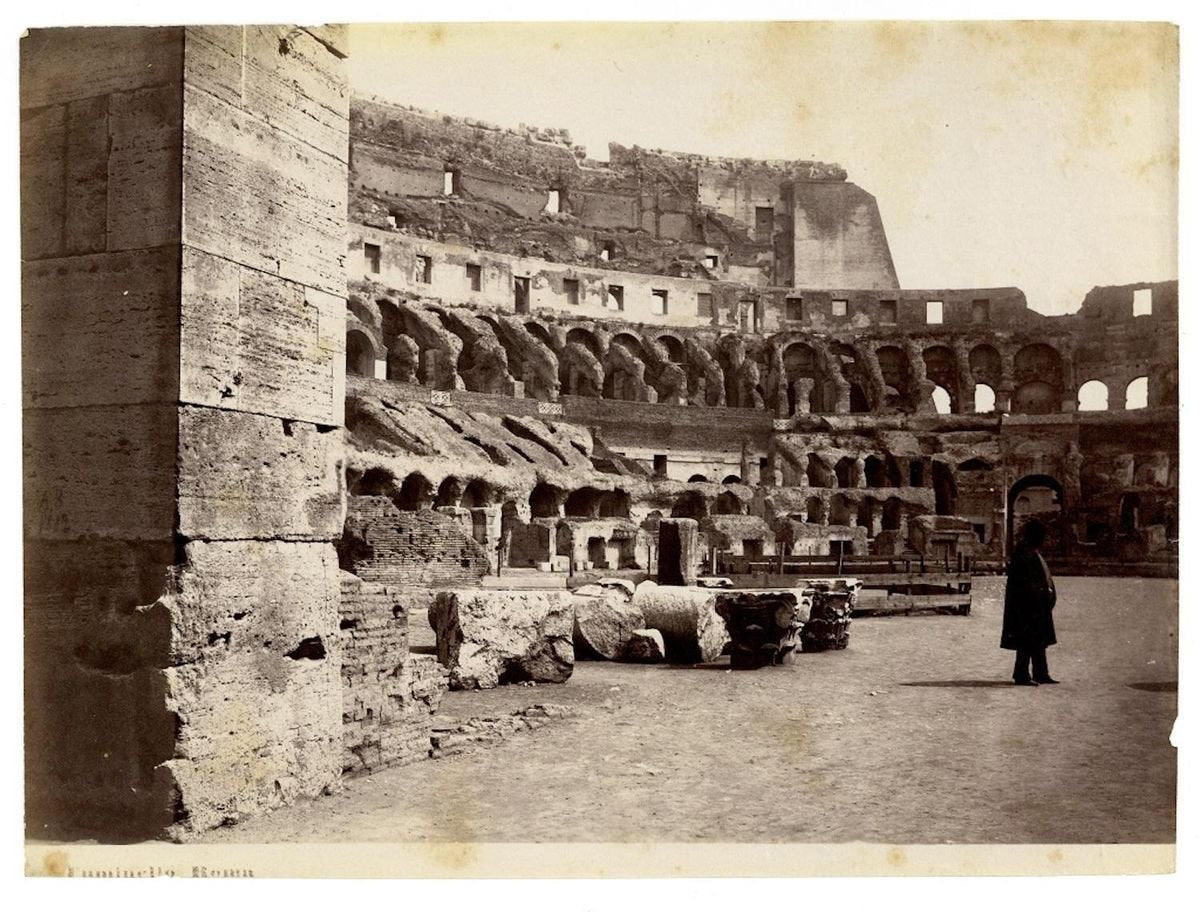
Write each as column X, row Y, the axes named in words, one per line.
column 697, row 478
column 858, row 400
column 1035, row 495
column 1093, row 397
column 675, row 350
column 360, row 354
column 975, row 465
column 985, row 399
column 846, row 472
column 839, row 510
column 893, row 513
column 689, row 505
column 1036, row 398
column 539, row 332
column 448, row 492
column 1037, row 370
column 583, row 502
column 416, row 493
column 373, row 482
column 814, row 509
column 614, row 504
column 986, row 365
column 727, row 504
column 941, row 400
column 916, row 473
column 942, row 368
column 477, row 494
column 818, row 473
column 1137, row 393
column 731, row 479
column 800, row 363
column 945, row 490
column 586, row 339
column 893, row 365
column 875, row 472
column 544, row 500
column 1130, row 503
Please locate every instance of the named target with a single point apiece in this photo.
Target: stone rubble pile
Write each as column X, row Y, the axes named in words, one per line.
column 455, row 736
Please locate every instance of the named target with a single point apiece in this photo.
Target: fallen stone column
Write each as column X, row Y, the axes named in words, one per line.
column 604, row 624
column 828, row 624
column 643, row 646
column 691, row 629
column 764, row 626
column 489, row 637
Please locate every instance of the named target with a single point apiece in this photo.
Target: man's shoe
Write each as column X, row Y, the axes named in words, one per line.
column 1025, row 683
column 1045, row 681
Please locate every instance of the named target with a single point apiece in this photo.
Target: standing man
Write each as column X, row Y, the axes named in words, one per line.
column 1029, row 599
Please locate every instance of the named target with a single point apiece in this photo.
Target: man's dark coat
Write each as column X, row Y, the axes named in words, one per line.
column 1029, row 599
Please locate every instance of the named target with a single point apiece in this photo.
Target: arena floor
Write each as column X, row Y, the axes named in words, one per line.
column 912, row 735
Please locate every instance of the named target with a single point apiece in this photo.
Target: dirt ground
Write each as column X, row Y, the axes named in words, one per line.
column 912, row 735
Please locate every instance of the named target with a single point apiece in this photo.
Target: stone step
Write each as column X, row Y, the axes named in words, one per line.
column 526, row 580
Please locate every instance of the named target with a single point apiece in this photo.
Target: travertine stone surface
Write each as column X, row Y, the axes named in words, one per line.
column 258, row 343
column 250, row 476
column 687, row 619
column 487, row 638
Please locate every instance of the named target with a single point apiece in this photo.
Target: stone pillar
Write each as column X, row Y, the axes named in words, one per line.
column 678, row 552
column 860, row 472
column 182, row 474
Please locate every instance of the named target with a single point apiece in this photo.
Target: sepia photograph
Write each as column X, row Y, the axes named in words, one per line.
column 580, row 448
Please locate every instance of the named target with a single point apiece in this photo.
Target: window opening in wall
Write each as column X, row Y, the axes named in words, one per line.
column 1142, row 302
column 985, row 398
column 704, row 304
column 424, row 269
column 451, row 181
column 371, row 254
column 658, row 302
column 571, row 290
column 660, row 465
column 933, row 311
column 764, row 222
column 887, row 312
column 521, row 293
column 616, row 297
column 712, row 261
column 475, row 276
column 1093, row 396
column 607, row 251
column 839, row 307
column 553, row 200
column 1137, row 393
column 793, row 308
column 981, row 310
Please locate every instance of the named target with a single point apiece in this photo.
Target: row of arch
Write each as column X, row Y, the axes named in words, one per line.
column 788, row 374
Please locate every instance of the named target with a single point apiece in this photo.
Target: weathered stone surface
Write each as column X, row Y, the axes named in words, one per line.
column 59, row 65
column 254, row 677
column 764, row 626
column 643, row 645
column 691, row 629
column 144, row 167
column 678, row 552
column 249, row 476
column 487, row 638
column 604, row 624
column 101, row 329
column 828, row 625
column 388, row 695
column 105, row 471
column 258, row 343
column 272, row 204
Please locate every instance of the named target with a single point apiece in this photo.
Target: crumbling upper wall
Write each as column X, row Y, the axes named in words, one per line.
column 838, row 238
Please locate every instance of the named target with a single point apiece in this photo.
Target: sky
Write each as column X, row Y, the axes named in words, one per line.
column 1041, row 155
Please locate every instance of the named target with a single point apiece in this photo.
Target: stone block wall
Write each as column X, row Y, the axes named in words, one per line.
column 388, row 695
column 183, row 220
column 417, row 549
